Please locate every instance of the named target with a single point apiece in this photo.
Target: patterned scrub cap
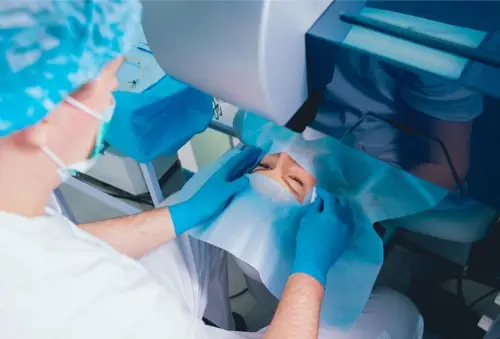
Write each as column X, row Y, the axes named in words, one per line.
column 49, row 48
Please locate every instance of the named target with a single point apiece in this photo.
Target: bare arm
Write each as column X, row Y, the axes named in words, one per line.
column 321, row 239
column 297, row 315
column 135, row 235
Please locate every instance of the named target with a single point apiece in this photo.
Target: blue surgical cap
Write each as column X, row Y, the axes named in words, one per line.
column 49, row 48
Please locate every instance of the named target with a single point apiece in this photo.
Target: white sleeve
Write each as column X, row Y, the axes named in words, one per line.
column 97, row 293
column 442, row 99
column 166, row 319
column 132, row 305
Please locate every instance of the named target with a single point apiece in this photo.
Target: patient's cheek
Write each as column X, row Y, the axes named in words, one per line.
column 273, row 187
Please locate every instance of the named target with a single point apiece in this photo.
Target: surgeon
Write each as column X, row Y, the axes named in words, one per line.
column 58, row 63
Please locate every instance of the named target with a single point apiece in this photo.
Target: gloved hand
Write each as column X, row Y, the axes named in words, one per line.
column 213, row 196
column 322, row 237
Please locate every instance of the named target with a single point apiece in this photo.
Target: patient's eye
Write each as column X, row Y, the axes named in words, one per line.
column 295, row 184
column 297, row 180
column 263, row 166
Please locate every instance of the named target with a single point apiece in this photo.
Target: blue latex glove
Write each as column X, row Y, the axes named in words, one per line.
column 322, row 237
column 214, row 195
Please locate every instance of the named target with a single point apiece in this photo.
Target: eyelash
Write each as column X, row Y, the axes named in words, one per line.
column 264, row 166
column 297, row 180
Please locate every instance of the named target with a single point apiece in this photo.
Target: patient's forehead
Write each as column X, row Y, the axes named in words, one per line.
column 282, row 156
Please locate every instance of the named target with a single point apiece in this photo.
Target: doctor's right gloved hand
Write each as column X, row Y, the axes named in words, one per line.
column 214, row 195
column 322, row 237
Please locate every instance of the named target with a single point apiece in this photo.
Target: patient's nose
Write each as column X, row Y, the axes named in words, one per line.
column 284, row 162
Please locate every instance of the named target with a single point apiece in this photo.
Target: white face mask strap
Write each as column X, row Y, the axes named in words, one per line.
column 53, row 157
column 310, row 196
column 75, row 103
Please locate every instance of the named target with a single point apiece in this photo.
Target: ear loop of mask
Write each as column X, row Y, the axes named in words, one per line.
column 61, row 166
column 53, row 157
column 104, row 119
column 310, row 196
column 77, row 104
column 63, row 169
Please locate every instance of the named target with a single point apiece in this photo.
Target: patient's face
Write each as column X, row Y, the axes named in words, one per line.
column 284, row 170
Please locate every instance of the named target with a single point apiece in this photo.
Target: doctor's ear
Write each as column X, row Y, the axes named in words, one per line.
column 52, row 125
column 36, row 135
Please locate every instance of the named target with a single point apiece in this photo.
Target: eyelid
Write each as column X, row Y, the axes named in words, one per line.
column 295, row 178
column 294, row 191
column 287, row 178
column 264, row 165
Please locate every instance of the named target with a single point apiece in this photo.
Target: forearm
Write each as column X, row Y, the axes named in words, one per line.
column 135, row 235
column 297, row 315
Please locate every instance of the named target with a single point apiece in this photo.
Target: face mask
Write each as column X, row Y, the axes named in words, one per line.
column 275, row 191
column 66, row 171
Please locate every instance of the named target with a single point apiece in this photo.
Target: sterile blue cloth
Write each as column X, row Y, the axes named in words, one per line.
column 261, row 232
column 50, row 48
column 159, row 120
column 377, row 187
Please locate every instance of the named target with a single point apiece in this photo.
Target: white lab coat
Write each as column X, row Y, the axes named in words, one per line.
column 57, row 281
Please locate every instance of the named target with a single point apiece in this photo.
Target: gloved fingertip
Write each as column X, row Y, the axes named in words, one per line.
column 322, row 193
column 236, row 186
column 316, row 206
column 253, row 156
column 240, row 184
column 320, row 207
column 244, row 163
column 257, row 158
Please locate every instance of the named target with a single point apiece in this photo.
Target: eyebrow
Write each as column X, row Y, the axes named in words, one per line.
column 274, row 158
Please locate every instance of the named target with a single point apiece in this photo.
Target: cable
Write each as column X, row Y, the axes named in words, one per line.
column 143, row 198
column 481, row 298
column 133, row 198
column 239, row 294
column 406, row 130
column 460, row 288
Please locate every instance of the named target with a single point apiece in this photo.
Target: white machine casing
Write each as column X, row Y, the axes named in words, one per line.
column 124, row 173
column 251, row 54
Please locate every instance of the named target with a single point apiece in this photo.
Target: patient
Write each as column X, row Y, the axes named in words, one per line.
column 286, row 171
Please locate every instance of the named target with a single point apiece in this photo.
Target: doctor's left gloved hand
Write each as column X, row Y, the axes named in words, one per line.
column 322, row 237
column 214, row 195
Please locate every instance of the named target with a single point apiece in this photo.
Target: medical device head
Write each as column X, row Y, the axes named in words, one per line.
column 251, row 54
column 50, row 48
